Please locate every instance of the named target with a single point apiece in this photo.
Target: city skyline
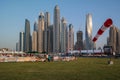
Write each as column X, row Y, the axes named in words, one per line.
column 13, row 23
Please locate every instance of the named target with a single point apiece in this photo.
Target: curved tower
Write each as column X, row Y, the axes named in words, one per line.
column 88, row 32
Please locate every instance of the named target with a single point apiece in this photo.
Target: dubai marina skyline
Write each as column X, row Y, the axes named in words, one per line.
column 14, row 13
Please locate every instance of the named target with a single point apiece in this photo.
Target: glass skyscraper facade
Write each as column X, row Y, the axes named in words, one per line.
column 21, row 41
column 27, row 37
column 88, row 32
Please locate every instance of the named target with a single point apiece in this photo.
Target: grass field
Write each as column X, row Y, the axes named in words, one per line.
column 80, row 69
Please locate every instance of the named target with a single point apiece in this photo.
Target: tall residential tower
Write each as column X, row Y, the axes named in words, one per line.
column 114, row 38
column 56, row 30
column 46, row 31
column 70, row 38
column 21, row 41
column 63, row 35
column 35, row 38
column 41, row 33
column 27, row 37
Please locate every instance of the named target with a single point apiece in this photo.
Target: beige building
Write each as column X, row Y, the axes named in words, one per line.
column 114, row 38
column 41, row 32
column 70, row 38
column 34, row 41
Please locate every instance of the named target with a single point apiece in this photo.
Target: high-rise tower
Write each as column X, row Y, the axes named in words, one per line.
column 88, row 32
column 63, row 35
column 35, row 26
column 70, row 38
column 27, row 37
column 56, row 30
column 41, row 33
column 21, row 41
column 17, row 46
column 79, row 43
column 114, row 38
column 35, row 38
column 47, row 24
column 50, row 39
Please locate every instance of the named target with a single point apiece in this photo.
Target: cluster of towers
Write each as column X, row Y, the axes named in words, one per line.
column 59, row 36
column 47, row 37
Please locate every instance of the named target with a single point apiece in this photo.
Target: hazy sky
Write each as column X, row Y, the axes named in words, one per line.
column 14, row 12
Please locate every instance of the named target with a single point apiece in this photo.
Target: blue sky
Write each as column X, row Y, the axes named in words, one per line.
column 14, row 12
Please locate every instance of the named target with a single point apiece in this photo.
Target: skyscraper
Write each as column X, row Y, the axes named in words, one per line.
column 34, row 41
column 88, row 32
column 70, row 38
column 21, row 41
column 35, row 26
column 47, row 20
column 114, row 38
column 35, row 38
column 41, row 32
column 63, row 35
column 47, row 24
column 27, row 37
column 50, row 39
column 17, row 46
column 56, row 30
column 79, row 43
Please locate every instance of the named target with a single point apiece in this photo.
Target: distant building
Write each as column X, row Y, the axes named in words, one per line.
column 114, row 38
column 63, row 35
column 70, row 38
column 35, row 37
column 17, row 46
column 88, row 32
column 21, row 41
column 35, row 26
column 27, row 37
column 41, row 36
column 56, row 30
column 79, row 43
column 50, row 39
column 47, row 24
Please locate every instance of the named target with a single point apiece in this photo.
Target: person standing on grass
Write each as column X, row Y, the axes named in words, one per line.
column 49, row 58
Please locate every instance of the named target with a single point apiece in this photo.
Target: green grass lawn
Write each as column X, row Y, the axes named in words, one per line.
column 80, row 69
